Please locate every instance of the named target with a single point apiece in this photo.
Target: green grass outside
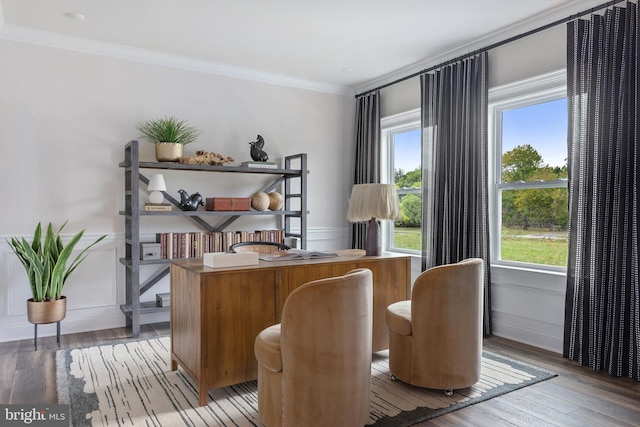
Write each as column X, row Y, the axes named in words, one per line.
column 534, row 246
column 407, row 238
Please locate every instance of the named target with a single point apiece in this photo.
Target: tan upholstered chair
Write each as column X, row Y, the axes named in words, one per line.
column 435, row 339
column 314, row 368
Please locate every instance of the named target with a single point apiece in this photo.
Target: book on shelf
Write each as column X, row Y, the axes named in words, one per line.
column 297, row 254
column 157, row 207
column 271, row 165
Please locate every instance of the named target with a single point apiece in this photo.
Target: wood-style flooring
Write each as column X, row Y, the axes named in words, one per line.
column 577, row 397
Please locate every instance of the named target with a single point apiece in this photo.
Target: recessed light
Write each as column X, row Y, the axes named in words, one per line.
column 346, row 70
column 74, row 16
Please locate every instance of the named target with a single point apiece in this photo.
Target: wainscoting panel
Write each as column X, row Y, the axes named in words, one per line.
column 94, row 292
column 528, row 306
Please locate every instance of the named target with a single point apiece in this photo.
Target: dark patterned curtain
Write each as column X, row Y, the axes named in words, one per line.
column 602, row 316
column 367, row 167
column 454, row 179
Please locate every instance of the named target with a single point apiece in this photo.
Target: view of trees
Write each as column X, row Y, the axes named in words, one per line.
column 543, row 208
column 410, row 204
column 536, row 207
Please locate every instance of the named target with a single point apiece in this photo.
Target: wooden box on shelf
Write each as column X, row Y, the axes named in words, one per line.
column 228, row 204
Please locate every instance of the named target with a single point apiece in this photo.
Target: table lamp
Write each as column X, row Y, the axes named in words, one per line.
column 371, row 202
column 156, row 186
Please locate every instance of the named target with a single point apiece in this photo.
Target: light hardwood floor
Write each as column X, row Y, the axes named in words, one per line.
column 577, row 397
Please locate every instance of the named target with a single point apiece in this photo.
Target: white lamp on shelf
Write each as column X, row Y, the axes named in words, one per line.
column 156, row 186
column 371, row 202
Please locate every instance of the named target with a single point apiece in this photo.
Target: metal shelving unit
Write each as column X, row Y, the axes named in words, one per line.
column 133, row 213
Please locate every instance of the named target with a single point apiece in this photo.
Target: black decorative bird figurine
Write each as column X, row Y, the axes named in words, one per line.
column 190, row 203
column 256, row 150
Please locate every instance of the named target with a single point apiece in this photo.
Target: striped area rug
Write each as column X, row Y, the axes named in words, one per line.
column 131, row 384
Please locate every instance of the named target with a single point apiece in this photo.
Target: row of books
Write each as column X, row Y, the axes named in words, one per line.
column 195, row 244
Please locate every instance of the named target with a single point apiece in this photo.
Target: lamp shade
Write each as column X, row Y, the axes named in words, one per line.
column 378, row 201
column 156, row 183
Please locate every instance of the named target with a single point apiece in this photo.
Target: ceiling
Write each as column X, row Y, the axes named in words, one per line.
column 344, row 43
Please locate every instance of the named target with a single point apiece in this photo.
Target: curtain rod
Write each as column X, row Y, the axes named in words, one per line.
column 494, row 45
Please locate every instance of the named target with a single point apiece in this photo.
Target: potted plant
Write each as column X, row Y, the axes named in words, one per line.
column 46, row 264
column 169, row 134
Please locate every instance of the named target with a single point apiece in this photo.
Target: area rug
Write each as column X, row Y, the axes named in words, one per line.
column 131, row 384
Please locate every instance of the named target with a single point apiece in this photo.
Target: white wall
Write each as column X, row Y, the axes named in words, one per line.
column 527, row 306
column 64, row 119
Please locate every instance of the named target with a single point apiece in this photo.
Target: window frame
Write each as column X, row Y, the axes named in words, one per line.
column 539, row 89
column 401, row 122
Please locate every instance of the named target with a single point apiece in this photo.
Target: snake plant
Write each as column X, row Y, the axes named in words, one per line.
column 46, row 262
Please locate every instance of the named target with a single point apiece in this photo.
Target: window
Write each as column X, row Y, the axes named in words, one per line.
column 401, row 140
column 528, row 129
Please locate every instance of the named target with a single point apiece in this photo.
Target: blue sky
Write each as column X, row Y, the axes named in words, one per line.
column 543, row 126
column 407, row 150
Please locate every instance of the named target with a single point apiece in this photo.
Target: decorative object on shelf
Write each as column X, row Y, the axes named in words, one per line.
column 203, row 157
column 170, row 135
column 46, row 265
column 275, row 201
column 228, row 204
column 190, row 202
column 156, row 186
column 256, row 151
column 163, row 299
column 149, row 250
column 260, row 201
column 371, row 202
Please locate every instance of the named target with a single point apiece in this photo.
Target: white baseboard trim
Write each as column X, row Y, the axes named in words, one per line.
column 22, row 330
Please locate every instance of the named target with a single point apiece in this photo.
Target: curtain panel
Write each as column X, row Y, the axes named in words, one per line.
column 602, row 315
column 454, row 167
column 367, row 158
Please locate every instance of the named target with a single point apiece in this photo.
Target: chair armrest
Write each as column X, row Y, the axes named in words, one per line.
column 267, row 348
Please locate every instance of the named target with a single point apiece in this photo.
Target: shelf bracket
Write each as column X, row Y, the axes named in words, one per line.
column 154, row 279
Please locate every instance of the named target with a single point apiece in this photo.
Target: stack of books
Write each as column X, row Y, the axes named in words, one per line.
column 271, row 165
column 195, row 244
column 157, row 207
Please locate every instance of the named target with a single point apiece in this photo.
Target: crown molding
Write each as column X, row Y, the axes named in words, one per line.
column 505, row 33
column 112, row 50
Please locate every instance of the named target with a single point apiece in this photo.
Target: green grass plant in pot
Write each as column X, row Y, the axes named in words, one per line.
column 170, row 135
column 47, row 266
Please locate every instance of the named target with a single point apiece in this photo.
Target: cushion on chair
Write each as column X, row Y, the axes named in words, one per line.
column 398, row 317
column 267, row 348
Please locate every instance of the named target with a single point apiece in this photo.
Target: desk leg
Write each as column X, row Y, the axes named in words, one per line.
column 203, row 394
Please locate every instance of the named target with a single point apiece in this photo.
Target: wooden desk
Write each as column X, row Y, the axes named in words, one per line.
column 216, row 314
